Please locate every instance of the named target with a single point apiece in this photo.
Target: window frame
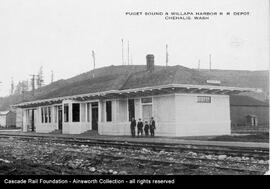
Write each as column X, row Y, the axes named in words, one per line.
column 73, row 113
column 106, row 111
column 151, row 102
column 49, row 114
column 204, row 99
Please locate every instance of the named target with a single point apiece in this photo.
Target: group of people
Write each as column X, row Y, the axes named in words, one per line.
column 151, row 126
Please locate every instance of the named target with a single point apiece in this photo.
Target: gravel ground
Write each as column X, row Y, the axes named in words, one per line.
column 19, row 157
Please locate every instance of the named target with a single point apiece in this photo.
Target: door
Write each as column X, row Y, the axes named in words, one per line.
column 60, row 122
column 95, row 116
column 146, row 112
column 33, row 128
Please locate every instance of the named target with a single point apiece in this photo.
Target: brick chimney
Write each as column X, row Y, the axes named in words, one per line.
column 150, row 63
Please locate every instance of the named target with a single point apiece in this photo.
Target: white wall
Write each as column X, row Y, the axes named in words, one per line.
column 75, row 127
column 119, row 124
column 196, row 119
column 114, row 128
column 24, row 120
column 164, row 115
column 19, row 117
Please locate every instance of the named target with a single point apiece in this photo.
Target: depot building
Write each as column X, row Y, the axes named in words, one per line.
column 182, row 102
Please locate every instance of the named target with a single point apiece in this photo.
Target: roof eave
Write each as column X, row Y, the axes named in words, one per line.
column 210, row 89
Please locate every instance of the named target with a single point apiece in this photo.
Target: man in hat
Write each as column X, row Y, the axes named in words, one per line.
column 152, row 127
column 140, row 128
column 132, row 126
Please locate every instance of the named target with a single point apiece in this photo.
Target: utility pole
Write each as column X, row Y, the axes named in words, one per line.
column 94, row 58
column 122, row 40
column 94, row 61
column 128, row 53
column 33, row 83
column 51, row 76
column 40, row 80
column 199, row 65
column 12, row 86
column 167, row 55
column 210, row 63
column 131, row 61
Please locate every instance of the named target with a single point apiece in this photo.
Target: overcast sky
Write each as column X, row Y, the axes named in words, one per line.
column 60, row 35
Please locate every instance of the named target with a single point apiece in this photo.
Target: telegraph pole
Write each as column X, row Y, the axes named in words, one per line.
column 167, row 55
column 128, row 53
column 33, row 83
column 122, row 40
column 12, row 86
column 199, row 64
column 52, row 76
column 94, row 58
column 94, row 61
column 210, row 63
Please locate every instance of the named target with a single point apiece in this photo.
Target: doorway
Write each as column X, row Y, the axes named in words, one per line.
column 60, row 121
column 33, row 127
column 146, row 112
column 95, row 116
column 31, row 120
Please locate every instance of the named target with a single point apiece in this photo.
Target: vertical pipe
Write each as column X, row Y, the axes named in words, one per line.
column 167, row 55
column 128, row 53
column 210, row 63
column 122, row 51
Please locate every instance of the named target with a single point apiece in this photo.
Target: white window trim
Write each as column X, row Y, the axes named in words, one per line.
column 144, row 104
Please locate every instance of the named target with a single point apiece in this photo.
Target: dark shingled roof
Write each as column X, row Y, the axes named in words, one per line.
column 242, row 100
column 97, row 84
column 127, row 79
column 164, row 76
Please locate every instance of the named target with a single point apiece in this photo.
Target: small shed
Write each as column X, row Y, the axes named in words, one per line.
column 7, row 119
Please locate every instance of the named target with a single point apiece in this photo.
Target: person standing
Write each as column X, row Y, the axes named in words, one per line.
column 146, row 128
column 132, row 126
column 152, row 126
column 140, row 128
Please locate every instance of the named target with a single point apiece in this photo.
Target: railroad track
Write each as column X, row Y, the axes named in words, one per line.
column 262, row 154
column 181, row 164
column 188, row 162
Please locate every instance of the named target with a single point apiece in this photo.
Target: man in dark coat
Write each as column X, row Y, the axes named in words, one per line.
column 152, row 126
column 132, row 126
column 140, row 128
column 146, row 128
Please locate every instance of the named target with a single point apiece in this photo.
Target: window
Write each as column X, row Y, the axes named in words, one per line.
column 146, row 100
column 131, row 109
column 46, row 114
column 76, row 112
column 49, row 115
column 203, row 99
column 108, row 110
column 66, row 117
